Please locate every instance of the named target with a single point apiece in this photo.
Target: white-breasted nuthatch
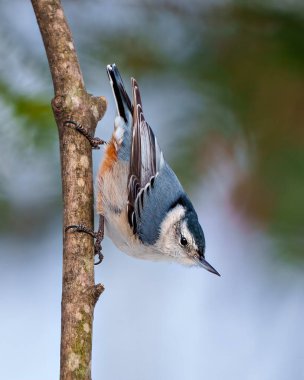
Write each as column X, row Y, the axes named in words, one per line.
column 145, row 210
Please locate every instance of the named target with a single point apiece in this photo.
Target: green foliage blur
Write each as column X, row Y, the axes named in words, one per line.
column 242, row 63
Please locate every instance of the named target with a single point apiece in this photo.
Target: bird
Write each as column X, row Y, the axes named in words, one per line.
column 142, row 205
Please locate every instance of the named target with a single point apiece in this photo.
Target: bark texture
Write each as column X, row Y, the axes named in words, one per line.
column 71, row 101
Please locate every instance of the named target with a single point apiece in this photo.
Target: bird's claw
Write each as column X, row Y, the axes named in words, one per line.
column 94, row 141
column 98, row 236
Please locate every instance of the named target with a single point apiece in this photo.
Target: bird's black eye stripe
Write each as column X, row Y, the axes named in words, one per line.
column 183, row 241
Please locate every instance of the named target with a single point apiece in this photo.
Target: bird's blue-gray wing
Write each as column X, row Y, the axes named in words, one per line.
column 150, row 178
column 154, row 203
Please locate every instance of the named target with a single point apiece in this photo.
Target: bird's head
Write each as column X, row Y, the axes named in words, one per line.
column 181, row 236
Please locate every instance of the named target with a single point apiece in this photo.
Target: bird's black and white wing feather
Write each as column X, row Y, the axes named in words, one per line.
column 122, row 100
column 146, row 161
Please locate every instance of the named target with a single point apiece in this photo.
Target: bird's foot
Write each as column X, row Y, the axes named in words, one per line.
column 98, row 236
column 94, row 141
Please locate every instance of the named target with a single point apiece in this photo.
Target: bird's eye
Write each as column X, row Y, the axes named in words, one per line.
column 183, row 241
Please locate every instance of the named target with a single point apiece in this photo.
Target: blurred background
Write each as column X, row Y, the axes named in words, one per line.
column 222, row 84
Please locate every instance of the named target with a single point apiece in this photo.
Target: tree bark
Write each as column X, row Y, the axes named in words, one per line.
column 71, row 101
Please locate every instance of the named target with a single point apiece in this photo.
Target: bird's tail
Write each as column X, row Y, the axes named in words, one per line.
column 123, row 102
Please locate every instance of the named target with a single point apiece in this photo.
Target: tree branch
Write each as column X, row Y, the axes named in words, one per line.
column 79, row 292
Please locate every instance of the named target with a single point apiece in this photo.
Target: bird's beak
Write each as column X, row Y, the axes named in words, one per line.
column 204, row 264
